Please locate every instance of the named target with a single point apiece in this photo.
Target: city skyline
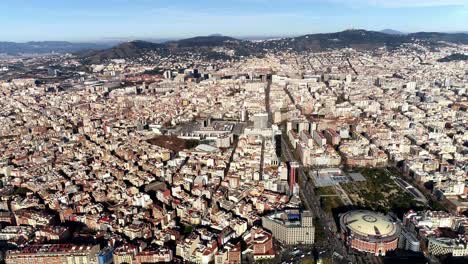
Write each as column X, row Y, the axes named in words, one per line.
column 112, row 20
column 249, row 131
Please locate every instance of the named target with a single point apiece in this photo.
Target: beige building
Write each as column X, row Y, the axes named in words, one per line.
column 445, row 246
column 54, row 253
column 291, row 227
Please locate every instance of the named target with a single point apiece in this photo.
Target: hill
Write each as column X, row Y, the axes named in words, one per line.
column 204, row 41
column 358, row 39
column 125, row 50
column 437, row 36
column 454, row 57
column 133, row 49
column 223, row 47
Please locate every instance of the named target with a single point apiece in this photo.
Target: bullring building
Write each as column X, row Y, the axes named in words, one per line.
column 369, row 232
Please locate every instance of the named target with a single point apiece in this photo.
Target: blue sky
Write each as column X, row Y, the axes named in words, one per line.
column 97, row 20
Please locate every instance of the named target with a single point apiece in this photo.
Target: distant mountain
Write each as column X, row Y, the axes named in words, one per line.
column 361, row 39
column 14, row 48
column 125, row 50
column 134, row 49
column 223, row 47
column 356, row 38
column 392, row 32
column 454, row 57
column 437, row 36
column 204, row 41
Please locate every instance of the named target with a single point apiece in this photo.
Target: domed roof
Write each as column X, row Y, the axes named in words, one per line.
column 369, row 223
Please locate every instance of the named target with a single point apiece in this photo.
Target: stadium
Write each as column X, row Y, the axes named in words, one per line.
column 369, row 232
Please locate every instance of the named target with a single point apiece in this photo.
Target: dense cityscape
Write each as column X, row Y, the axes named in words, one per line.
column 209, row 155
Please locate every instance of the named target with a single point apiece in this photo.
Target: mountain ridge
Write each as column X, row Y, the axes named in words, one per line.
column 128, row 49
column 217, row 43
column 203, row 41
column 440, row 36
column 354, row 38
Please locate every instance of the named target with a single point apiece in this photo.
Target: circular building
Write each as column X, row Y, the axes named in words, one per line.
column 369, row 231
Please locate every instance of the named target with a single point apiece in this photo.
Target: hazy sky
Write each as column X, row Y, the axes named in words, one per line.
column 91, row 20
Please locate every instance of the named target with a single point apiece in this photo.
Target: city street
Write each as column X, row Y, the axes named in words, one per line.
column 311, row 202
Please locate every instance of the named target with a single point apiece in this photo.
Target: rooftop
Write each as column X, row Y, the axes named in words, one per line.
column 369, row 224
